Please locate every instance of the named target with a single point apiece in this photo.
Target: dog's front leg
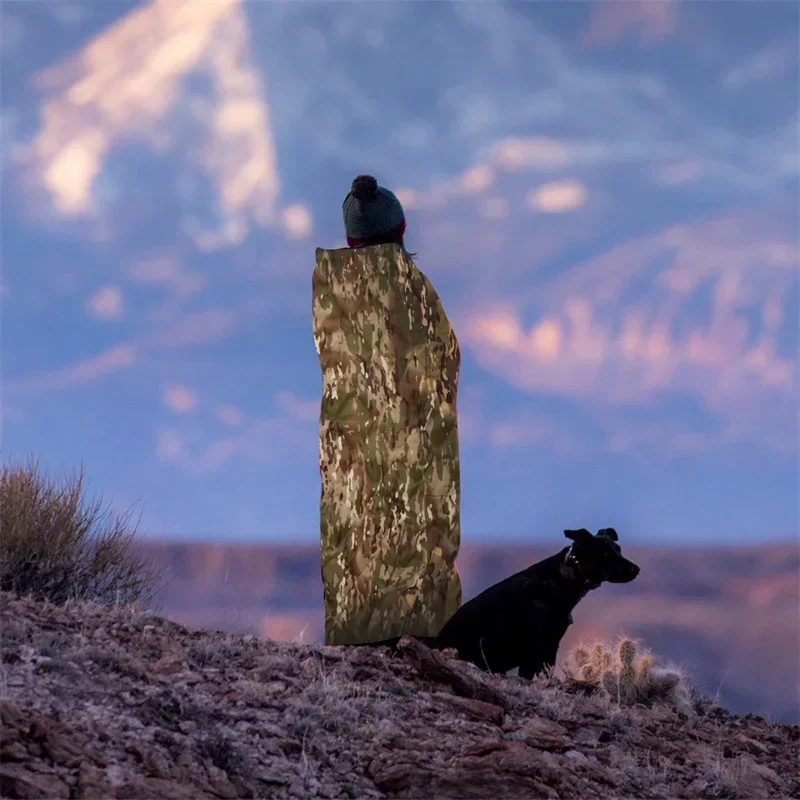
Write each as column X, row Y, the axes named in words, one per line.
column 532, row 661
column 530, row 669
column 536, row 657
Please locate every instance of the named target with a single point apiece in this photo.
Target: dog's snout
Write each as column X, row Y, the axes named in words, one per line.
column 632, row 571
column 626, row 573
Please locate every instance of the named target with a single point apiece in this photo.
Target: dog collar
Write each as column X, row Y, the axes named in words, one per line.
column 570, row 556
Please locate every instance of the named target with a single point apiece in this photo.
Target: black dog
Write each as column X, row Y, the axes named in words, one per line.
column 520, row 621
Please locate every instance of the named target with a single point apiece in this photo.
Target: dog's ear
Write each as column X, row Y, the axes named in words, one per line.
column 608, row 533
column 580, row 535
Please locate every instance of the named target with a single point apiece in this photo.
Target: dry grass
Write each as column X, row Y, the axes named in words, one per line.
column 289, row 720
column 57, row 545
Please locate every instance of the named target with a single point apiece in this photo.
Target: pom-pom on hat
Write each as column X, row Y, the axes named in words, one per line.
column 370, row 210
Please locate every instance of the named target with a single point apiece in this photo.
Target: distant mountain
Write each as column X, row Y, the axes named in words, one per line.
column 730, row 615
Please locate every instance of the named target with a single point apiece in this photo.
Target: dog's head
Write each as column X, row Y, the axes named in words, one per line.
column 599, row 558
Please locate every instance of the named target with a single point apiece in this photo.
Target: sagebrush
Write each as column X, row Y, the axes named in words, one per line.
column 56, row 544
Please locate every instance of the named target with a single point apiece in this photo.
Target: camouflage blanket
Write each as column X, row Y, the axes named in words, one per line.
column 388, row 446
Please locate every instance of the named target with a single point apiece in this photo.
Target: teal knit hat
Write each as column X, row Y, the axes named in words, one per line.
column 370, row 210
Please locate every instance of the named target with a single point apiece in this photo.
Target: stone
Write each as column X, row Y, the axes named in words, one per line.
column 18, row 782
column 169, row 664
column 576, row 756
column 477, row 709
column 545, row 734
column 751, row 745
column 388, row 451
column 362, row 725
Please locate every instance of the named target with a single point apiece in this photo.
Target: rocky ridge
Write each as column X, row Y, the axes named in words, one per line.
column 122, row 703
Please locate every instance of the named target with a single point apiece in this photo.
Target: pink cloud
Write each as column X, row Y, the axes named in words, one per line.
column 196, row 448
column 89, row 369
column 170, row 446
column 296, row 407
column 106, row 303
column 196, row 328
column 165, row 269
column 194, row 451
column 678, row 173
column 230, row 415
column 190, row 330
column 586, row 343
column 180, row 399
column 609, row 22
column 558, row 197
column 543, row 431
column 125, row 82
column 297, row 222
column 515, row 153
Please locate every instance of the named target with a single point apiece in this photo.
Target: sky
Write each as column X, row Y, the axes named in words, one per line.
column 604, row 194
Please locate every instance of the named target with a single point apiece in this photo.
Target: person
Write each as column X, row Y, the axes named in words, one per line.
column 390, row 525
column 373, row 215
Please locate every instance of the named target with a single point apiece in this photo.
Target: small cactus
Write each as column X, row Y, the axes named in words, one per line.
column 643, row 670
column 598, row 656
column 580, row 656
column 627, row 651
column 628, row 679
column 611, row 685
column 588, row 673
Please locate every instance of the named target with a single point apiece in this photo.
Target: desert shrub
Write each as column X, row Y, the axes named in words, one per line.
column 216, row 746
column 57, row 545
column 629, row 679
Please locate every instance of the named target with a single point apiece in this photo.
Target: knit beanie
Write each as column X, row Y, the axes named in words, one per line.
column 370, row 210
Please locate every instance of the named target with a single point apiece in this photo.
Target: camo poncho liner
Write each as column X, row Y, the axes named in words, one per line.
column 388, row 447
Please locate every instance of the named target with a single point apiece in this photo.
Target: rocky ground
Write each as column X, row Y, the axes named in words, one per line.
column 121, row 703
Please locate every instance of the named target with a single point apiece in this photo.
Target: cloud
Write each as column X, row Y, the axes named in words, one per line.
column 214, row 456
column 89, row 369
column 524, row 430
column 679, row 173
column 180, row 399
column 494, row 208
column 191, row 329
column 406, row 196
column 767, row 63
column 258, row 440
column 569, row 436
column 472, row 182
column 637, row 118
column 128, row 80
column 595, row 341
column 230, row 415
column 654, row 20
column 165, row 269
column 296, row 407
column 195, row 328
column 296, row 220
column 106, row 303
column 557, row 197
column 170, row 446
column 515, row 153
column 477, row 179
